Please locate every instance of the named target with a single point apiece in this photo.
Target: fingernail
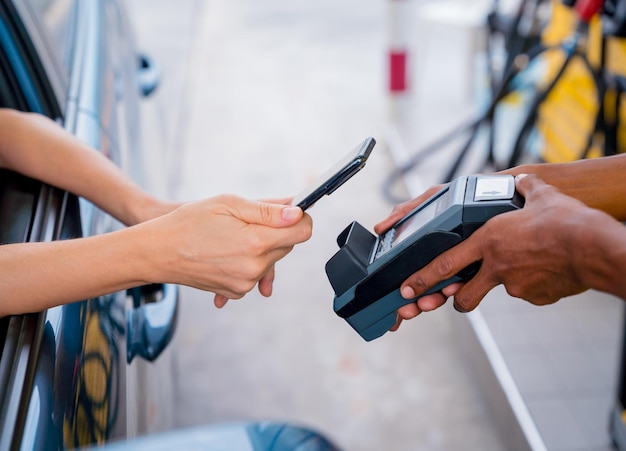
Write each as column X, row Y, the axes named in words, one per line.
column 458, row 308
column 291, row 213
column 520, row 177
column 407, row 292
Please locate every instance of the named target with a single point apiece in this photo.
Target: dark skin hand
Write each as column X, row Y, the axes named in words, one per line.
column 554, row 247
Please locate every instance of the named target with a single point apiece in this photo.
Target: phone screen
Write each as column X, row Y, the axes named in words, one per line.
column 336, row 175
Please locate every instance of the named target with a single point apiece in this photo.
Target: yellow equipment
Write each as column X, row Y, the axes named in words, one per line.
column 567, row 118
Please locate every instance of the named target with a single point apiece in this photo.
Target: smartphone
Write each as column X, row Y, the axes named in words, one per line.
column 336, row 176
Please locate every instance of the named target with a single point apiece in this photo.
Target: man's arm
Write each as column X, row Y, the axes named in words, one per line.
column 35, row 146
column 598, row 182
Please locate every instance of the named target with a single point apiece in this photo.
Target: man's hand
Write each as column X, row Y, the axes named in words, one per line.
column 529, row 251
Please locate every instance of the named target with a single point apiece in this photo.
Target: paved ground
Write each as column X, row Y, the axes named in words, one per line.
column 257, row 98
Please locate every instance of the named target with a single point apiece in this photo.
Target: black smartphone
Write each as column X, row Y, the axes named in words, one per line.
column 336, row 176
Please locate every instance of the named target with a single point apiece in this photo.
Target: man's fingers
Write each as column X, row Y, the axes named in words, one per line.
column 442, row 268
column 469, row 295
column 431, row 302
column 409, row 311
column 451, row 289
column 401, row 210
column 397, row 325
column 396, row 214
column 528, row 184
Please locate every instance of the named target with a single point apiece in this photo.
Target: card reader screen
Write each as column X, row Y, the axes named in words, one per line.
column 419, row 218
column 414, row 223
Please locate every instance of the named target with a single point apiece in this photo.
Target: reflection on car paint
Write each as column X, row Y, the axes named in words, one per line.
column 90, row 417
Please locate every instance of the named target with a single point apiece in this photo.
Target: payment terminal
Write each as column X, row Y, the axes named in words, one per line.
column 367, row 271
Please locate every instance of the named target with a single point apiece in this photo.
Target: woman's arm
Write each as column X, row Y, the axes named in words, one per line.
column 224, row 245
column 35, row 146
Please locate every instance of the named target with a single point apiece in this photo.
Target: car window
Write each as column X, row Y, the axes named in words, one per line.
column 55, row 15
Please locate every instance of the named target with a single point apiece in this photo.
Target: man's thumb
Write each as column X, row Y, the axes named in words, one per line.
column 525, row 183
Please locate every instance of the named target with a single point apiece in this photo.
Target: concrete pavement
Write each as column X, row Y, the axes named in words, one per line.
column 257, row 98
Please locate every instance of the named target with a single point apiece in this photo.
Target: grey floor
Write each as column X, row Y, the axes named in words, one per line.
column 564, row 362
column 257, row 98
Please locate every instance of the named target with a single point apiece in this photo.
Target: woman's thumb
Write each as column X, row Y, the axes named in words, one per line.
column 272, row 215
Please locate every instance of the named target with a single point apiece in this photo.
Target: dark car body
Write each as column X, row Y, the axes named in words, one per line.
column 78, row 374
column 97, row 371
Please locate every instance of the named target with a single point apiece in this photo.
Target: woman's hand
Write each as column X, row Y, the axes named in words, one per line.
column 226, row 244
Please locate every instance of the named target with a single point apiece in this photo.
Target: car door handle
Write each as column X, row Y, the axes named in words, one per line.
column 152, row 320
column 148, row 75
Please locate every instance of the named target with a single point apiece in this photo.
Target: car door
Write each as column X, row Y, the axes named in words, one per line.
column 69, row 376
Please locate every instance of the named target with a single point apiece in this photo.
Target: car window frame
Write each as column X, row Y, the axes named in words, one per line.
column 40, row 42
column 23, row 333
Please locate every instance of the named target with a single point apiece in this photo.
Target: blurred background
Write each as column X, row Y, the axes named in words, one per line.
column 256, row 99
